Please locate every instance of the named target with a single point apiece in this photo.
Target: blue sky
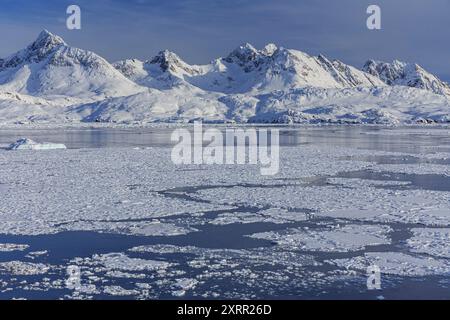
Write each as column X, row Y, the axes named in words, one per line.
column 200, row 30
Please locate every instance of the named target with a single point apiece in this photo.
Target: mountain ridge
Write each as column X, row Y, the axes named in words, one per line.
column 50, row 81
column 406, row 74
column 247, row 69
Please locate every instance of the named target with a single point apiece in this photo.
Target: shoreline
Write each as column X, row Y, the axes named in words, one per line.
column 169, row 125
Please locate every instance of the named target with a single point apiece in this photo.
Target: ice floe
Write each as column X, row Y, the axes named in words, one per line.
column 272, row 215
column 396, row 263
column 23, row 268
column 335, row 239
column 28, row 144
column 183, row 285
column 432, row 241
column 358, row 201
column 37, row 254
column 119, row 291
column 7, row 247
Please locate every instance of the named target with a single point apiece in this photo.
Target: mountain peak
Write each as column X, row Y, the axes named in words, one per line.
column 165, row 59
column 167, row 54
column 46, row 39
column 406, row 74
column 269, row 49
column 245, row 47
column 170, row 62
column 243, row 54
column 44, row 44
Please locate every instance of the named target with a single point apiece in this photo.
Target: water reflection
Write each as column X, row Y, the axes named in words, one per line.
column 410, row 140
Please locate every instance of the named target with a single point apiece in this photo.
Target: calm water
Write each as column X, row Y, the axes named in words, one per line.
column 414, row 141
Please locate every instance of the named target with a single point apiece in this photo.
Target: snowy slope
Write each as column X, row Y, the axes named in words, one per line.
column 382, row 105
column 19, row 108
column 406, row 74
column 176, row 105
column 51, row 82
column 49, row 67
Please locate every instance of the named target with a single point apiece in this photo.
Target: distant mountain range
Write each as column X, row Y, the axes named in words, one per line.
column 49, row 81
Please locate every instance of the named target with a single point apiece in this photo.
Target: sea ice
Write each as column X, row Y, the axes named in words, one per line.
column 119, row 291
column 140, row 192
column 272, row 215
column 160, row 229
column 23, row 268
column 432, row 241
column 7, row 247
column 396, row 263
column 183, row 285
column 120, row 261
column 334, row 239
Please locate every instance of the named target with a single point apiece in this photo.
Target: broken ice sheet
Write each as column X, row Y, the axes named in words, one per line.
column 116, row 185
column 120, row 274
column 138, row 228
column 8, row 247
column 396, row 263
column 361, row 183
column 271, row 215
column 335, row 239
column 23, row 268
column 36, row 254
column 139, row 192
column 120, row 261
column 416, row 169
column 119, row 291
column 182, row 285
column 160, row 229
column 432, row 241
column 359, row 200
column 230, row 258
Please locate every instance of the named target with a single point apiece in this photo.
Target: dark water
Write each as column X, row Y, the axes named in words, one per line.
column 63, row 247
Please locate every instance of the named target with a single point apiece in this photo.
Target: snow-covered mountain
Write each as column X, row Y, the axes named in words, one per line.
column 49, row 81
column 406, row 74
column 164, row 71
column 247, row 70
column 49, row 67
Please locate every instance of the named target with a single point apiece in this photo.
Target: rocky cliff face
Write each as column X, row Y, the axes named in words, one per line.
column 406, row 74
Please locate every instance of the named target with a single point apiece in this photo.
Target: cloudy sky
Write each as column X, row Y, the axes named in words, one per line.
column 200, row 30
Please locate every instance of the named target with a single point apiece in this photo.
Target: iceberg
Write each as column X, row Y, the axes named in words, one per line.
column 28, row 144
